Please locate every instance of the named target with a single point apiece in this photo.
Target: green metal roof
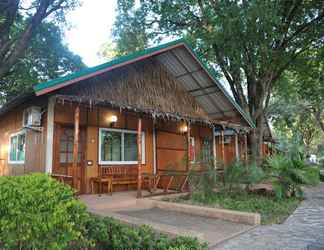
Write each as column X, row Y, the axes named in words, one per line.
column 133, row 56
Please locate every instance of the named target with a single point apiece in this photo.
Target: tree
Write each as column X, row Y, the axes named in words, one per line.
column 45, row 58
column 251, row 42
column 309, row 84
column 298, row 100
column 20, row 22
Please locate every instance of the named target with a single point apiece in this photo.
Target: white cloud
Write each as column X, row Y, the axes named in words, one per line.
column 91, row 27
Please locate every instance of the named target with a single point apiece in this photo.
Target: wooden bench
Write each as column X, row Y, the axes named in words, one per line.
column 115, row 175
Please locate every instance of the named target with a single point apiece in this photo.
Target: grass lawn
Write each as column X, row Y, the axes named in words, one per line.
column 271, row 209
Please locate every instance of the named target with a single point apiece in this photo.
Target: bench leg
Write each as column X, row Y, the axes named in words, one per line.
column 168, row 185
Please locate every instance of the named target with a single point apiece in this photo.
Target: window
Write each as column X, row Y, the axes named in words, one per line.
column 118, row 146
column 66, row 146
column 207, row 149
column 17, row 148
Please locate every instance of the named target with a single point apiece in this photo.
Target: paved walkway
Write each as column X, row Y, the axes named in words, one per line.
column 211, row 230
column 304, row 229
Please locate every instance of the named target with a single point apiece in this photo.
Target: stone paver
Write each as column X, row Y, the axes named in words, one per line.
column 303, row 230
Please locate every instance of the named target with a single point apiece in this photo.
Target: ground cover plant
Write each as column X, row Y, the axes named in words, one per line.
column 272, row 210
column 37, row 212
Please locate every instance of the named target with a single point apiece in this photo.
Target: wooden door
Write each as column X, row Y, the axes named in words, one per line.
column 63, row 160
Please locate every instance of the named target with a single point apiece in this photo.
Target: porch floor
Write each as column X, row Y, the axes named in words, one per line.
column 124, row 207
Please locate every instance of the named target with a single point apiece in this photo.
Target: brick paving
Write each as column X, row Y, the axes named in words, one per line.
column 303, row 230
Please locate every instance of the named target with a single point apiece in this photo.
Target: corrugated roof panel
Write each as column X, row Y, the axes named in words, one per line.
column 186, row 59
column 173, row 65
column 221, row 100
column 188, row 82
column 203, row 79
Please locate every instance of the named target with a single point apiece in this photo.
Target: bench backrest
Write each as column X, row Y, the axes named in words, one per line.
column 118, row 171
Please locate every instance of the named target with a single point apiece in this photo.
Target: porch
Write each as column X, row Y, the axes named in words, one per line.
column 99, row 148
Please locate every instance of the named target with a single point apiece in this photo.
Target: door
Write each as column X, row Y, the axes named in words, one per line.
column 64, row 140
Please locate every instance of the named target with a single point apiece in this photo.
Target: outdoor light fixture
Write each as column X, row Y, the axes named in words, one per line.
column 112, row 119
column 184, row 129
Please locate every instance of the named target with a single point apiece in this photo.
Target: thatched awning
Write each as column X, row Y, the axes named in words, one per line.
column 152, row 113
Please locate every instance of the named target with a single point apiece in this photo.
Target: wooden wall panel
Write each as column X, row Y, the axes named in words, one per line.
column 11, row 123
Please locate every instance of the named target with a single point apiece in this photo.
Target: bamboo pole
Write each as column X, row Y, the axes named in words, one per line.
column 139, row 158
column 75, row 147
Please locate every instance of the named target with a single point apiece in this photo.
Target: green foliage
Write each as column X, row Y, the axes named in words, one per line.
column 46, row 58
column 111, row 234
column 202, row 177
column 37, row 212
column 21, row 23
column 289, row 174
column 271, row 209
column 238, row 173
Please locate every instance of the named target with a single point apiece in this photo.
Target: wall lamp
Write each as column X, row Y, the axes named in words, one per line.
column 184, row 129
column 112, row 119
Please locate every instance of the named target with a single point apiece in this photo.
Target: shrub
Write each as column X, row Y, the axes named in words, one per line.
column 237, row 174
column 37, row 212
column 288, row 174
column 203, row 178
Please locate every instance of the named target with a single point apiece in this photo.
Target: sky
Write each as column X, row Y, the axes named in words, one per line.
column 91, row 26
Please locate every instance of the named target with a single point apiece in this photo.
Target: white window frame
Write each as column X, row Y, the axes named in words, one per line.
column 9, row 148
column 122, row 162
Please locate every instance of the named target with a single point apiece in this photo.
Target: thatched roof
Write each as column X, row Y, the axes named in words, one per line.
column 144, row 86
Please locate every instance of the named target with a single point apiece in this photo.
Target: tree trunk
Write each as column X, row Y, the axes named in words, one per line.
column 256, row 140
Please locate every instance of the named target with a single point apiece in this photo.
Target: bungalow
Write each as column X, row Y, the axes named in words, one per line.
column 141, row 115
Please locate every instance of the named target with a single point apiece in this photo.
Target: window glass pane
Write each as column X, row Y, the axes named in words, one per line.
column 13, row 148
column 62, row 157
column 69, row 157
column 110, row 146
column 130, row 147
column 70, row 146
column 63, row 146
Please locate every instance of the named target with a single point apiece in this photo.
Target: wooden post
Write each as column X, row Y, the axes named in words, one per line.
column 139, row 158
column 223, row 146
column 75, row 147
column 245, row 148
column 237, row 153
column 214, row 149
column 188, row 146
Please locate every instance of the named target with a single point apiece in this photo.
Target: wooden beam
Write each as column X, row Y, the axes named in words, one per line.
column 139, row 158
column 223, row 146
column 154, row 148
column 214, row 149
column 237, row 153
column 75, row 147
column 246, row 148
column 188, row 147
